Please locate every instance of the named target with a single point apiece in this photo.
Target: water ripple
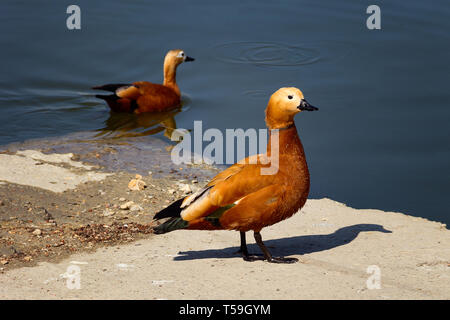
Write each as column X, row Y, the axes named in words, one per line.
column 279, row 54
column 257, row 93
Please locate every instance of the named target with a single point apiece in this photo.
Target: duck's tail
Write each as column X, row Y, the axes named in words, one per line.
column 171, row 225
column 176, row 222
column 116, row 103
column 205, row 223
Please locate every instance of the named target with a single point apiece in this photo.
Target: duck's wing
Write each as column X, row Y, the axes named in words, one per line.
column 237, row 167
column 121, row 90
column 155, row 97
column 124, row 96
column 128, row 92
column 224, row 190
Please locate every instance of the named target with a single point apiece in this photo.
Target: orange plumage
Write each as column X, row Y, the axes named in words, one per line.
column 240, row 197
column 143, row 96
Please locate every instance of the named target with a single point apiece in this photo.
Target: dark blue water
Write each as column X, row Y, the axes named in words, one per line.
column 381, row 137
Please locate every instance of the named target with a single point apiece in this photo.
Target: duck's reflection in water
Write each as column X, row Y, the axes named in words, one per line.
column 123, row 125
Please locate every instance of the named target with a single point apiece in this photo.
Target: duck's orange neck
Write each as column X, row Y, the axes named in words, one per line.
column 276, row 118
column 288, row 141
column 291, row 159
column 170, row 73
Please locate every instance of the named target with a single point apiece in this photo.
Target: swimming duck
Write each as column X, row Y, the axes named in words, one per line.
column 241, row 197
column 143, row 96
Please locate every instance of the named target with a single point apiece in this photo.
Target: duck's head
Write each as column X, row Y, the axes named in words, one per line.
column 176, row 57
column 283, row 105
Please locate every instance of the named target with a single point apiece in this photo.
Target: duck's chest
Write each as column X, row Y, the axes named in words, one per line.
column 295, row 181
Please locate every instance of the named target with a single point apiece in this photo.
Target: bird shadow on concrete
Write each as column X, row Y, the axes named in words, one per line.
column 288, row 246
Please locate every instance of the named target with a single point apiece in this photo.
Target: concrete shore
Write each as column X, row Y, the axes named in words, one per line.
column 344, row 253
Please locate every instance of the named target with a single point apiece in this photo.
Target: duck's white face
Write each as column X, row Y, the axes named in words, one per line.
column 290, row 101
column 283, row 105
column 177, row 57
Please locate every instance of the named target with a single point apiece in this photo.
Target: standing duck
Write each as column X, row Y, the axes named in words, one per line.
column 241, row 197
column 143, row 96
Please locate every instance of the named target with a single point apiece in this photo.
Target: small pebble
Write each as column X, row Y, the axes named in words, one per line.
column 127, row 205
column 184, row 188
column 136, row 185
column 136, row 207
column 108, row 212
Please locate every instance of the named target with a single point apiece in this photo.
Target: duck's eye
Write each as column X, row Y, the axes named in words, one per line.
column 182, row 54
column 290, row 97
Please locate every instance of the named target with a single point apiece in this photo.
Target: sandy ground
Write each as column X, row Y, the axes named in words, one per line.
column 345, row 253
column 52, row 206
column 410, row 255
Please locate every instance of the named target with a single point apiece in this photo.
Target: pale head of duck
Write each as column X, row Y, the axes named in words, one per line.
column 283, row 105
column 176, row 57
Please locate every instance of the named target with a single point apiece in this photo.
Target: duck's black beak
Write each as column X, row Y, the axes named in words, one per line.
column 305, row 106
column 188, row 59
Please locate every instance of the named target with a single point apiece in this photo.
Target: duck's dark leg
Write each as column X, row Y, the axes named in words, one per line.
column 243, row 250
column 267, row 254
